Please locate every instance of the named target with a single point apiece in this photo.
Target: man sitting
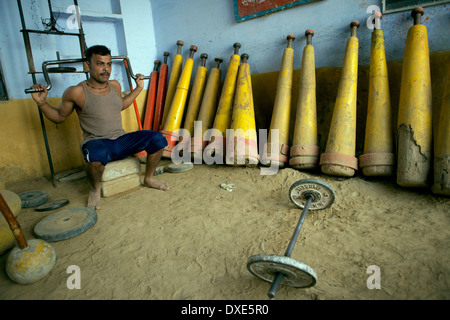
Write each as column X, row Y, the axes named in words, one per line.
column 99, row 103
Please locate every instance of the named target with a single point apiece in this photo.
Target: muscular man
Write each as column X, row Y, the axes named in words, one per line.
column 99, row 103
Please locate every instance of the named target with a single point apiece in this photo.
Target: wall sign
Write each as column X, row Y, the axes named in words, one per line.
column 249, row 9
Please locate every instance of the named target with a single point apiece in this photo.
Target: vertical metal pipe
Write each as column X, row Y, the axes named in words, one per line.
column 33, row 75
column 52, row 17
column 26, row 40
column 82, row 39
column 47, row 147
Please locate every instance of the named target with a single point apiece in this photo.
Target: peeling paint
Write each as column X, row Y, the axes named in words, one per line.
column 413, row 164
column 441, row 176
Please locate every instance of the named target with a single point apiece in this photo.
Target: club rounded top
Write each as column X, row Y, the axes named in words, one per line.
column 193, row 48
column 236, row 46
column 309, row 32
column 157, row 63
column 417, row 14
column 218, row 60
column 354, row 23
column 378, row 15
column 417, row 10
column 179, row 45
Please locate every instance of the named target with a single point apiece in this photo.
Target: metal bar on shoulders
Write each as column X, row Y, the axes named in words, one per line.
column 45, row 72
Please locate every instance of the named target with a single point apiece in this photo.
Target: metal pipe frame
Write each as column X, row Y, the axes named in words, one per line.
column 45, row 64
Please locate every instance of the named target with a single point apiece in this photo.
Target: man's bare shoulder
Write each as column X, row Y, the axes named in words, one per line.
column 75, row 94
column 116, row 86
column 115, row 83
column 74, row 91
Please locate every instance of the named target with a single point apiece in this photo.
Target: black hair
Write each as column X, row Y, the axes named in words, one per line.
column 97, row 49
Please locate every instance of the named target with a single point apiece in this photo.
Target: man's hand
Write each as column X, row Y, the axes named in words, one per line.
column 41, row 95
column 140, row 81
column 128, row 100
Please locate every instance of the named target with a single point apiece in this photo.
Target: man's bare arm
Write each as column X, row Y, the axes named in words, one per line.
column 59, row 114
column 128, row 99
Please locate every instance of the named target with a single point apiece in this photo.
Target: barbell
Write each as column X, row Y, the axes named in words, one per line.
column 307, row 194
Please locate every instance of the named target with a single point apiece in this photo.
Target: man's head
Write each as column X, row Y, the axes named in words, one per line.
column 99, row 61
column 98, row 49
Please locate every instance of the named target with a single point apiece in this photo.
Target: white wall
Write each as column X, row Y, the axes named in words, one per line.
column 144, row 29
column 126, row 27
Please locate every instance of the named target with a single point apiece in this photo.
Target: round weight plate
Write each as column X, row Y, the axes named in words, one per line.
column 180, row 167
column 53, row 205
column 295, row 273
column 65, row 224
column 33, row 198
column 323, row 194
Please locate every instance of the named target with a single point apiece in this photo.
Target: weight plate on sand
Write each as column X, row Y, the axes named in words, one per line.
column 295, row 273
column 33, row 198
column 65, row 224
column 180, row 167
column 323, row 194
column 52, row 205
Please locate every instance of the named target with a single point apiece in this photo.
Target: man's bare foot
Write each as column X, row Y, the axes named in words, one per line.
column 94, row 199
column 152, row 183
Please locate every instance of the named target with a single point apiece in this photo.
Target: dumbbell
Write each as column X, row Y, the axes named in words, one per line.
column 307, row 194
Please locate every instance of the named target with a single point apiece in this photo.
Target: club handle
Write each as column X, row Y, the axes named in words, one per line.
column 236, row 47
column 290, row 38
column 354, row 25
column 417, row 14
column 13, row 224
column 218, row 60
column 309, row 34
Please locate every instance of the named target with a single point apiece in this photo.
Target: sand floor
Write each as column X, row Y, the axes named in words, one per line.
column 193, row 241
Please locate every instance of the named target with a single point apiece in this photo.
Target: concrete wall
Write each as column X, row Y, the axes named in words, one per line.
column 211, row 26
column 144, row 29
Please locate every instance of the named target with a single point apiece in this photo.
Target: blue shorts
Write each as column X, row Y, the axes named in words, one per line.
column 107, row 150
